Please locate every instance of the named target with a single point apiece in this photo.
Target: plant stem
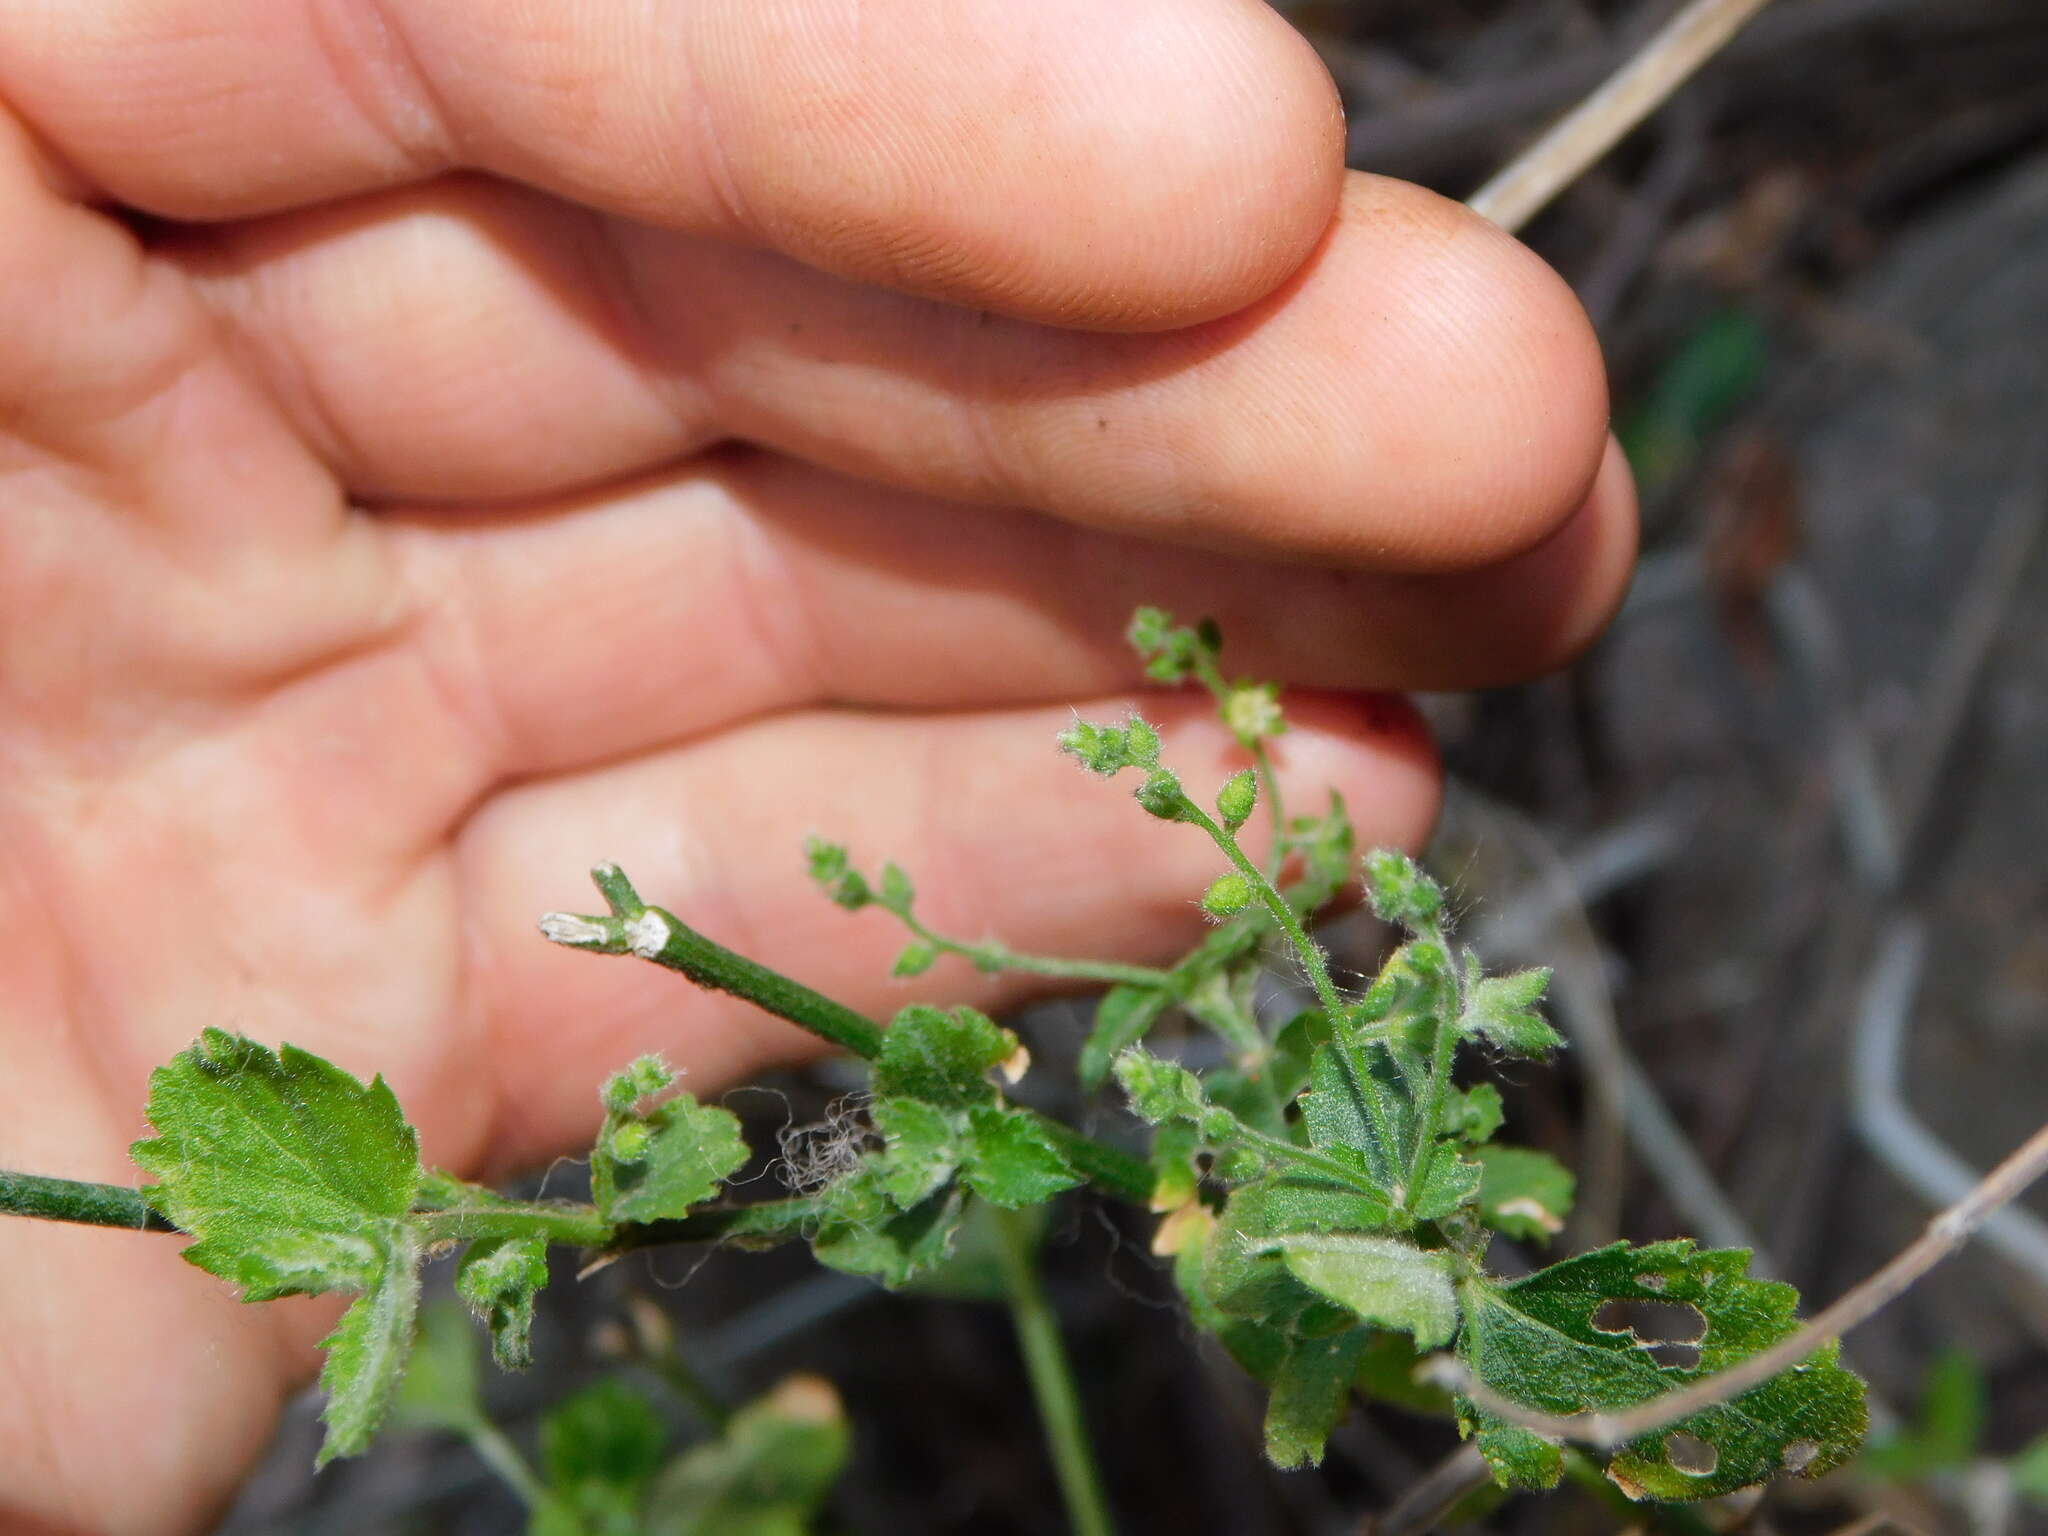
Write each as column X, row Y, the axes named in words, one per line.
column 1000, row 957
column 574, row 1226
column 1052, row 1379
column 497, row 1452
column 637, row 929
column 1311, row 952
column 92, row 1205
column 1329, row 1167
column 1443, row 1053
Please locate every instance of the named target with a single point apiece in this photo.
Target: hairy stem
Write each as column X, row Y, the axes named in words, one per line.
column 92, row 1205
column 993, row 957
column 1442, row 1056
column 1052, row 1378
column 571, row 1226
column 634, row 928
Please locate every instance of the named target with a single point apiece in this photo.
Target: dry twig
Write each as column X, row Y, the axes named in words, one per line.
column 1597, row 124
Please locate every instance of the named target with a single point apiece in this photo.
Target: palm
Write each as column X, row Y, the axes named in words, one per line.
column 371, row 570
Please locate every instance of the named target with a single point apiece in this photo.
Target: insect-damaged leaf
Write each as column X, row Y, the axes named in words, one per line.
column 499, row 1278
column 1545, row 1341
column 296, row 1178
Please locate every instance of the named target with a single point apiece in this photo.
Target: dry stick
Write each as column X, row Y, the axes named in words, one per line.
column 1459, row 1474
column 1944, row 1235
column 1598, row 123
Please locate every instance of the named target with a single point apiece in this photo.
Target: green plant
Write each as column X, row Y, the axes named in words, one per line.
column 1327, row 1193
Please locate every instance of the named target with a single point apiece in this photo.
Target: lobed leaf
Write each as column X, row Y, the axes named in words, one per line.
column 291, row 1174
column 1010, row 1161
column 1542, row 1341
column 942, row 1056
column 655, row 1165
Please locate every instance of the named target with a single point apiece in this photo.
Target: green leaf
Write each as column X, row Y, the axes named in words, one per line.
column 1550, row 1341
column 443, row 1387
column 768, row 1475
column 1449, row 1183
column 655, row 1165
column 1336, row 1111
column 919, row 1151
column 499, row 1278
column 1383, row 1280
column 1310, row 1392
column 367, row 1351
column 1474, row 1115
column 1122, row 1018
column 863, row 1233
column 294, row 1177
column 1501, row 1011
column 941, row 1056
column 1010, row 1161
column 599, row 1451
column 1522, row 1193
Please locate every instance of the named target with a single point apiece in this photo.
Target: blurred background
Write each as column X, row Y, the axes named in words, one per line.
column 1784, row 833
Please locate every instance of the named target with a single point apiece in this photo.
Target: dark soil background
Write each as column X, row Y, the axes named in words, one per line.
column 1814, row 748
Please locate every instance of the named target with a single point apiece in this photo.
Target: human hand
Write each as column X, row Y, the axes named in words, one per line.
column 446, row 445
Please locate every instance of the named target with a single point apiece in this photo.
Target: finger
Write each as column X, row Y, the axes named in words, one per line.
column 1003, row 836
column 749, row 584
column 1425, row 394
column 1145, row 164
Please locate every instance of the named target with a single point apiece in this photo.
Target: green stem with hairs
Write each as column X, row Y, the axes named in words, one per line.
column 1052, row 1378
column 77, row 1200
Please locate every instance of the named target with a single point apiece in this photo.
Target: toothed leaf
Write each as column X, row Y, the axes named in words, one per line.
column 1545, row 1342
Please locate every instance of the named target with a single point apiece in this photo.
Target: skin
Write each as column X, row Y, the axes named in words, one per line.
column 442, row 445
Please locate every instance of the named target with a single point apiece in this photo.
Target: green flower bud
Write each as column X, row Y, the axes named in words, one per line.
column 1230, row 893
column 1400, row 892
column 915, row 959
column 628, row 1141
column 1162, row 796
column 1234, row 803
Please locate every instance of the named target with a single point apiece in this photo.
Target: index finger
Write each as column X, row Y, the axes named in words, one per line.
column 1137, row 166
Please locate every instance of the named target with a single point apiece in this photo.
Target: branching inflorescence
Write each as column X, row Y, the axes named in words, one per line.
column 1327, row 1194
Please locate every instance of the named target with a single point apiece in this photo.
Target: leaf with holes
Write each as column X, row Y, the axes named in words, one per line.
column 1549, row 1341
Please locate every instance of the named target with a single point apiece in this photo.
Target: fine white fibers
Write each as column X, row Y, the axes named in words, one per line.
column 568, row 928
column 648, row 934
